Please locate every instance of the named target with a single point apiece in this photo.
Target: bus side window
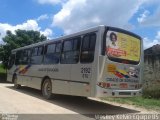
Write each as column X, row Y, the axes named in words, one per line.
column 52, row 54
column 37, row 55
column 34, row 51
column 57, row 53
column 11, row 61
column 70, row 51
column 58, row 47
column 49, row 53
column 40, row 51
column 88, row 48
column 76, row 49
column 26, row 57
column 19, row 54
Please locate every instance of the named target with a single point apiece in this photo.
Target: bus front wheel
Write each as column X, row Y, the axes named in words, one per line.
column 47, row 89
column 16, row 85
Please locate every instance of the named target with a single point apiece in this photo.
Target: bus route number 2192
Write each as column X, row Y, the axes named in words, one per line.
column 85, row 71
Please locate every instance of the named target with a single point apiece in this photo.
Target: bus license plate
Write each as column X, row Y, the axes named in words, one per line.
column 123, row 85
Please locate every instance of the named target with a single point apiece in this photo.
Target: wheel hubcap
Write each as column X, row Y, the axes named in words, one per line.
column 47, row 89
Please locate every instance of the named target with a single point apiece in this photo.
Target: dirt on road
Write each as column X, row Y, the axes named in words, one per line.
column 29, row 104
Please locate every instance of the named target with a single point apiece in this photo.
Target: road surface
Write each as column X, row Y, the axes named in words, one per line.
column 29, row 104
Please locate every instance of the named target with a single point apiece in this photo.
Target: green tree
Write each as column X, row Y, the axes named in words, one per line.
column 21, row 38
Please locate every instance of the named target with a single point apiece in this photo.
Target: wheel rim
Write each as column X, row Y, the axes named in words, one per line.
column 47, row 89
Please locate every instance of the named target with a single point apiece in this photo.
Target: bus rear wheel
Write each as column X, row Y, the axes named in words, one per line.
column 47, row 89
column 16, row 85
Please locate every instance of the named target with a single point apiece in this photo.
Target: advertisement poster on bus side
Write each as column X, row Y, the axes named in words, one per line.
column 120, row 45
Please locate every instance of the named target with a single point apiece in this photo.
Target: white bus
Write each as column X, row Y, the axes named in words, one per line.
column 98, row 62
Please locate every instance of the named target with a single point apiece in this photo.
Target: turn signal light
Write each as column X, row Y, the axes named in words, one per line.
column 104, row 85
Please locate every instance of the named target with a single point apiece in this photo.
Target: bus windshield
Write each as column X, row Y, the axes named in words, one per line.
column 122, row 47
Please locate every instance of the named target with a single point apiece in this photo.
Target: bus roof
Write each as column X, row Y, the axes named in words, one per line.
column 61, row 38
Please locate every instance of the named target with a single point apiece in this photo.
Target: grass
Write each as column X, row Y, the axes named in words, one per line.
column 152, row 92
column 2, row 73
column 147, row 103
column 2, row 70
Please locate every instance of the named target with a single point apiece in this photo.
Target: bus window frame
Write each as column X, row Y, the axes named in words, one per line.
column 9, row 66
column 37, row 55
column 19, row 62
column 28, row 56
column 88, row 34
column 55, row 52
column 72, row 39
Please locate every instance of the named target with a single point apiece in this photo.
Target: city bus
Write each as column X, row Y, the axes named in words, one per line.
column 102, row 61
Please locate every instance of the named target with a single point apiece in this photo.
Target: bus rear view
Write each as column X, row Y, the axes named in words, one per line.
column 121, row 72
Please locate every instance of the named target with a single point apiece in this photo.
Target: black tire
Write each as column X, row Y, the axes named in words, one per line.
column 47, row 89
column 82, row 97
column 16, row 86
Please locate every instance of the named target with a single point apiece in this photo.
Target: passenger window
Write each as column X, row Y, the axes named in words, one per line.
column 19, row 54
column 92, row 42
column 25, row 59
column 51, row 48
column 76, row 44
column 85, row 43
column 52, row 54
column 70, row 51
column 11, row 61
column 88, row 48
column 58, row 47
column 40, row 51
column 34, row 51
column 37, row 55
column 68, row 45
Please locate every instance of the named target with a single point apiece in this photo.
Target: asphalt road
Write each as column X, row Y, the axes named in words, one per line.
column 29, row 104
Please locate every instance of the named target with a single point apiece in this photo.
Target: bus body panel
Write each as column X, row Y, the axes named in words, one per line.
column 60, row 87
column 79, row 79
column 11, row 67
column 119, row 86
column 63, row 82
column 10, row 74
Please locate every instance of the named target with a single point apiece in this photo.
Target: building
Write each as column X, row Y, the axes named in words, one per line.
column 152, row 66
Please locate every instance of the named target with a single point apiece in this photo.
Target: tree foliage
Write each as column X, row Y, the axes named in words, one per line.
column 21, row 38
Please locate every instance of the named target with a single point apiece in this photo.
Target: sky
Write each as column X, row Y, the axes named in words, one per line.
column 54, row 18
